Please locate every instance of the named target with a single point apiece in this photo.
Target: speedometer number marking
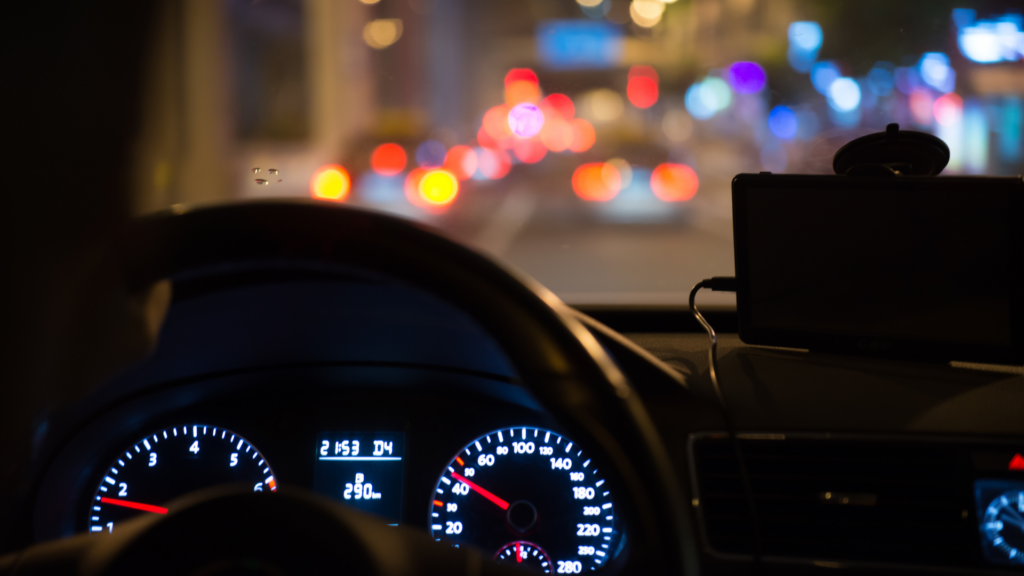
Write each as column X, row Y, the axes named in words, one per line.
column 530, row 497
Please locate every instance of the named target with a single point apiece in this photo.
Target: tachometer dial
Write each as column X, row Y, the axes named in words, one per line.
column 171, row 463
column 527, row 486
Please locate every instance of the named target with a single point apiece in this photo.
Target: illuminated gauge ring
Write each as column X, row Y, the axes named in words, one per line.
column 170, row 463
column 1003, row 527
column 527, row 485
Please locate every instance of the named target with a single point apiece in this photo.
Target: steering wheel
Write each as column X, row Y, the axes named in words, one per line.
column 557, row 359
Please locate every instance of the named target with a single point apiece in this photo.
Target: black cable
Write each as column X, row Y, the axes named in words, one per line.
column 726, row 284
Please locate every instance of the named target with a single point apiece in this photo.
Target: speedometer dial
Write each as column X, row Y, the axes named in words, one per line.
column 527, row 496
column 171, row 463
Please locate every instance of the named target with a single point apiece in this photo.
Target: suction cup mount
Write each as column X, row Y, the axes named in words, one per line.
column 894, row 152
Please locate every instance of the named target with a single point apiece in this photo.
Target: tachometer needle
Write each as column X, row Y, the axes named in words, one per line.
column 136, row 505
column 519, row 553
column 481, row 491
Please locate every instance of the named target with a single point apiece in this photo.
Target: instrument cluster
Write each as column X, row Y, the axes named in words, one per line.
column 471, row 463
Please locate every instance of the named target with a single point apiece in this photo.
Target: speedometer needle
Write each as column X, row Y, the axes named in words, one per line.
column 519, row 553
column 134, row 505
column 481, row 491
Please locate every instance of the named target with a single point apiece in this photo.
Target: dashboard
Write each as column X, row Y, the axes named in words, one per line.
column 380, row 396
column 446, row 443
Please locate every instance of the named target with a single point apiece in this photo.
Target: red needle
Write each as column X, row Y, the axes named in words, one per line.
column 519, row 553
column 481, row 491
column 134, row 505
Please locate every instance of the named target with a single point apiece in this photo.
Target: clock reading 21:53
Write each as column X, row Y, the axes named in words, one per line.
column 362, row 469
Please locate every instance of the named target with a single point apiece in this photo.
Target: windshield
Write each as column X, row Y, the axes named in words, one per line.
column 590, row 143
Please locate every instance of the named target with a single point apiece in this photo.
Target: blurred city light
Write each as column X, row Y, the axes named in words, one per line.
column 782, row 122
column 596, row 9
column 674, row 182
column 525, row 120
column 907, row 80
column 975, row 137
column 922, row 104
column 823, row 74
column 330, row 182
column 1009, row 126
column 520, row 75
column 677, row 125
column 604, row 105
column 522, row 91
column 388, row 159
column 646, row 13
column 805, row 39
column 557, row 133
column 379, row 34
column 530, row 151
column 746, row 77
column 707, row 97
column 844, row 95
column 495, row 123
column 561, row 104
column 625, row 172
column 461, row 161
column 430, row 154
column 596, row 181
column 412, row 185
column 438, row 187
column 948, row 109
column 583, row 135
column 578, row 44
column 992, row 40
column 492, row 164
column 369, row 1
column 642, row 89
column 936, row 72
column 880, row 79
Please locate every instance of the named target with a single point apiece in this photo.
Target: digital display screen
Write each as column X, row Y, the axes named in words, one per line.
column 912, row 264
column 1000, row 506
column 362, row 469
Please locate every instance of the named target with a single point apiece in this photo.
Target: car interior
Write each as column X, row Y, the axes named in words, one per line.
column 283, row 297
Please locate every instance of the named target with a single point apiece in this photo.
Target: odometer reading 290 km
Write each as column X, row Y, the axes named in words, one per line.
column 530, row 497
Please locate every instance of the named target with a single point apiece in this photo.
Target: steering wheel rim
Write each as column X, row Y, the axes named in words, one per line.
column 557, row 358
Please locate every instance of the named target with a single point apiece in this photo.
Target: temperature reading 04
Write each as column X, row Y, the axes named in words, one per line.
column 362, row 469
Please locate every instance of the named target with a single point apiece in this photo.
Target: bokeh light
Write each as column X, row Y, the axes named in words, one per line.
column 921, row 106
column 746, row 77
column 522, row 91
column 805, row 36
column 520, row 75
column 642, row 89
column 388, row 159
column 561, row 104
column 823, row 74
column 530, row 151
column 948, row 109
column 379, row 34
column 677, row 125
column 674, row 182
column 604, row 105
column 583, row 135
column 991, row 40
column 330, row 182
column 707, row 97
column 412, row 185
column 525, row 120
column 596, row 182
column 625, row 172
column 557, row 134
column 438, row 187
column 782, row 122
column 844, row 95
column 596, row 9
column 646, row 13
column 936, row 72
column 461, row 161
column 492, row 164
column 430, row 154
column 880, row 79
